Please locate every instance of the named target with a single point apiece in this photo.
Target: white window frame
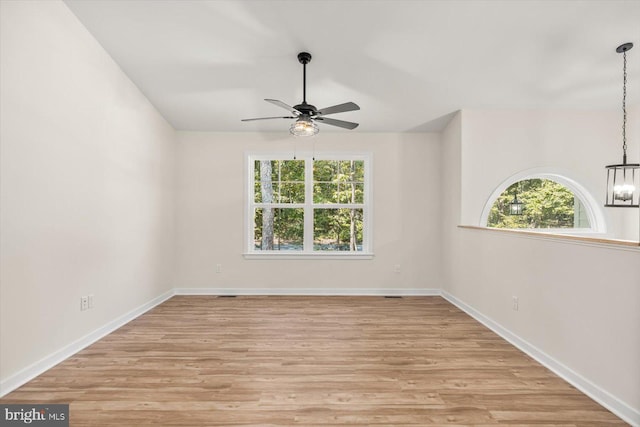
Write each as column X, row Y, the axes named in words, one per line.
column 367, row 206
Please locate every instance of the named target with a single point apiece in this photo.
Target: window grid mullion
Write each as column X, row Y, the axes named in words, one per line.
column 339, row 206
column 278, row 205
column 308, row 205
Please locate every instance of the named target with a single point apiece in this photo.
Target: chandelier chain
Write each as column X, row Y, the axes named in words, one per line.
column 624, row 105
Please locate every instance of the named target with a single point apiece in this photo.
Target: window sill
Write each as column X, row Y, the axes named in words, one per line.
column 332, row 256
column 569, row 238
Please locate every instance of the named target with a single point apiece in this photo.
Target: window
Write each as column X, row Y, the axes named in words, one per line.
column 309, row 205
column 550, row 202
column 545, row 204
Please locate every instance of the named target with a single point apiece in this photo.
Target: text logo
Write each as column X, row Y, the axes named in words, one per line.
column 34, row 415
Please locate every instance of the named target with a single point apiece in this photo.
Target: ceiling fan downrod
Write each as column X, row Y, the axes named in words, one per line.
column 304, row 58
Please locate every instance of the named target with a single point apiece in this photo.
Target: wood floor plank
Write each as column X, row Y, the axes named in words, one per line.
column 309, row 361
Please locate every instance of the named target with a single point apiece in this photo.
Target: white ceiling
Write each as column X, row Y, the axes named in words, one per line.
column 408, row 64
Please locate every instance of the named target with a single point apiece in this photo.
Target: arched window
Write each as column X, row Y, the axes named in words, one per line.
column 543, row 201
column 538, row 203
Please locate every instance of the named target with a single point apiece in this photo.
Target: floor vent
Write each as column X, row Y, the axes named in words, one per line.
column 226, row 296
column 392, row 296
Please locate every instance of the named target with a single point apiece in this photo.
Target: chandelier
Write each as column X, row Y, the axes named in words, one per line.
column 623, row 180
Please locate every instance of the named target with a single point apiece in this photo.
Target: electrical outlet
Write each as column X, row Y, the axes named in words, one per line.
column 218, row 268
column 84, row 303
column 514, row 302
column 90, row 303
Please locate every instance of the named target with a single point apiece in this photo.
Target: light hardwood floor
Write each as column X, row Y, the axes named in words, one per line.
column 309, row 361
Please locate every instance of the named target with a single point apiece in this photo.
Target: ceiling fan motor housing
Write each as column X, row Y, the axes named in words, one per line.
column 308, row 109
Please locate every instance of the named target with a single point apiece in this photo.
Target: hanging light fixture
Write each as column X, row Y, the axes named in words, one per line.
column 516, row 207
column 623, row 180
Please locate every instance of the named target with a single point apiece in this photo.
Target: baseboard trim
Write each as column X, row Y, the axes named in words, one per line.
column 30, row 372
column 308, row 292
column 603, row 397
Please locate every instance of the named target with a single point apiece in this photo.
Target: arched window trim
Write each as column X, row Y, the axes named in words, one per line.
column 594, row 213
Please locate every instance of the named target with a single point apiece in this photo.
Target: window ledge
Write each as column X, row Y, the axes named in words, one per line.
column 586, row 240
column 343, row 256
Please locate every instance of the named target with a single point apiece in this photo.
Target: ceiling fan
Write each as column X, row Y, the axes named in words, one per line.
column 306, row 114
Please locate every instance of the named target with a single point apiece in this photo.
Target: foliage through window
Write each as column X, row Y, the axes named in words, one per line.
column 309, row 205
column 546, row 205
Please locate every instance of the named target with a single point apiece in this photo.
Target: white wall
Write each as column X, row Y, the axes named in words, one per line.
column 579, row 304
column 450, row 161
column 86, row 186
column 210, row 192
column 578, row 144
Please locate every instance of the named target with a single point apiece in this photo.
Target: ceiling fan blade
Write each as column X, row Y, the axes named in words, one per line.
column 339, row 123
column 340, row 108
column 283, row 105
column 267, row 118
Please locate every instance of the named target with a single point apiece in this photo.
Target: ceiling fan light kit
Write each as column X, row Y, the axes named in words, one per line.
column 304, row 126
column 308, row 115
